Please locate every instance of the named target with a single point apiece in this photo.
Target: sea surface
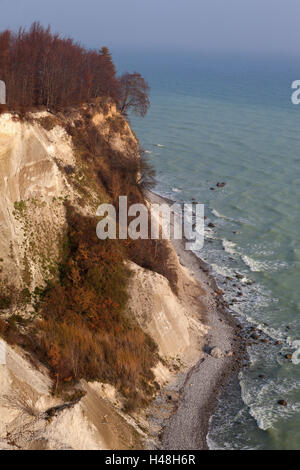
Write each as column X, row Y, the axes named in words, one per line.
column 230, row 119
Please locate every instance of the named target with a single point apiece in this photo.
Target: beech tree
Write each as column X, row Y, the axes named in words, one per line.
column 42, row 69
column 134, row 94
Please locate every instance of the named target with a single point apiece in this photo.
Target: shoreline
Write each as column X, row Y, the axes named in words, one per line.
column 202, row 385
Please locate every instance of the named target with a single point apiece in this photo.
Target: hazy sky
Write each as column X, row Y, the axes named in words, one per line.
column 264, row 26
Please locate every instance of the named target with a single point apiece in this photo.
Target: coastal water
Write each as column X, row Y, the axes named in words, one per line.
column 230, row 119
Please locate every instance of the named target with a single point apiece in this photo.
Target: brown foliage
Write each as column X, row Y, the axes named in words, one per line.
column 131, row 177
column 42, row 69
column 123, row 357
column 3, row 327
column 85, row 331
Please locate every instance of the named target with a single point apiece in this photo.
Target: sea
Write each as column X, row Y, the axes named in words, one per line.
column 229, row 118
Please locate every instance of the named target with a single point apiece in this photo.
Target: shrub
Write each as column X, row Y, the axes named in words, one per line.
column 86, row 331
column 48, row 122
column 123, row 357
column 120, row 176
column 69, row 169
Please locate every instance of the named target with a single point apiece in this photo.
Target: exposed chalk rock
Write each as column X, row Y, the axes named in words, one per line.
column 217, row 353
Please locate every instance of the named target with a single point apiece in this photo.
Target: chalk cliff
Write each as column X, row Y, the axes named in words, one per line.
column 43, row 170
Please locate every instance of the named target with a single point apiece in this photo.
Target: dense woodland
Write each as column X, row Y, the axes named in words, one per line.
column 43, row 69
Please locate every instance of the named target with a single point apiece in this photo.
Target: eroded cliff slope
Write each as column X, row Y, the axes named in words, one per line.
column 85, row 354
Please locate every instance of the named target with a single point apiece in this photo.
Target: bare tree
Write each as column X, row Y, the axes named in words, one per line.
column 134, row 94
column 19, row 401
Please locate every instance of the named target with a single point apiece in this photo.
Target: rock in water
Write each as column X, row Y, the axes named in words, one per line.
column 219, row 292
column 217, row 353
column 254, row 336
column 282, row 403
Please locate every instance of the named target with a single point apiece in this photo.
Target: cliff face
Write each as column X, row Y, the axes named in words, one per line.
column 34, row 187
column 40, row 174
column 30, row 179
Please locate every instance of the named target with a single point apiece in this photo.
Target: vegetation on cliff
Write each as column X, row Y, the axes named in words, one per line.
column 79, row 324
column 40, row 68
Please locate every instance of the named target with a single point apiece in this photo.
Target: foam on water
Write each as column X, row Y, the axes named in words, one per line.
column 219, row 215
column 266, row 412
column 229, row 246
column 222, row 270
column 176, row 190
column 260, row 266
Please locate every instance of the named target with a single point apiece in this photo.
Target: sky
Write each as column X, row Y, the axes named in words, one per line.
column 265, row 27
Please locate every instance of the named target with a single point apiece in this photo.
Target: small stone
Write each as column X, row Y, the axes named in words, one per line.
column 217, row 353
column 219, row 292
